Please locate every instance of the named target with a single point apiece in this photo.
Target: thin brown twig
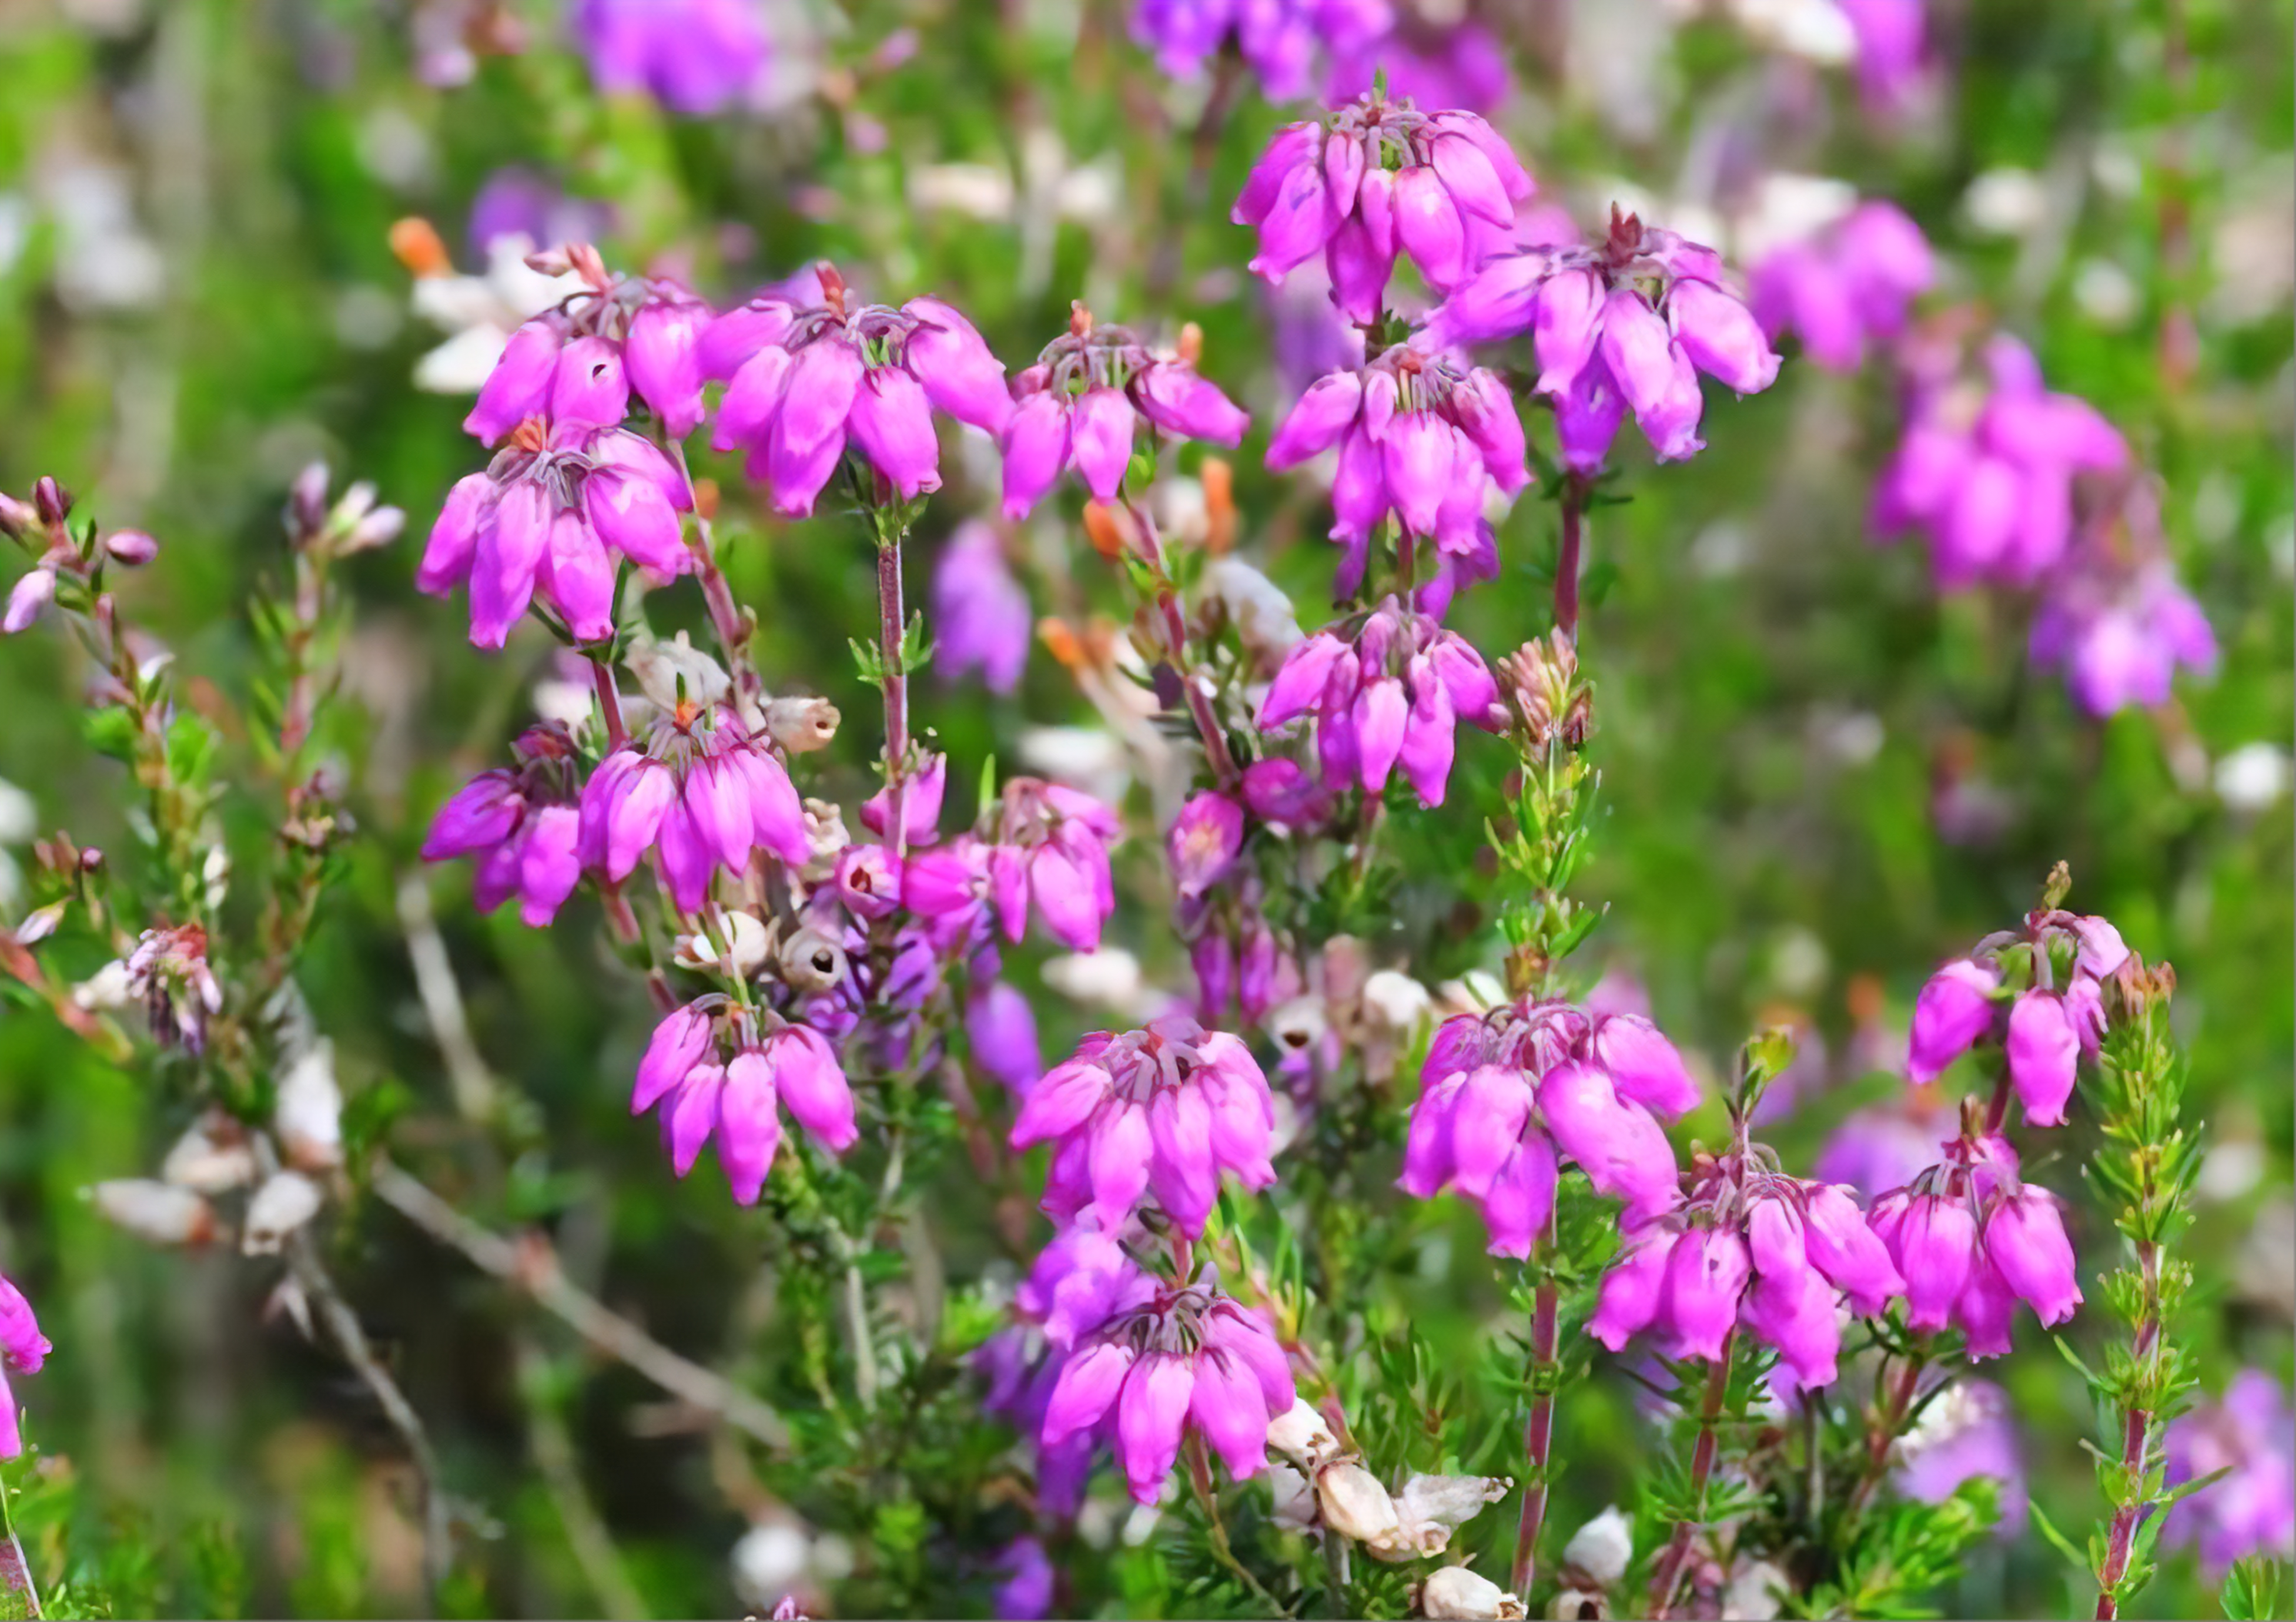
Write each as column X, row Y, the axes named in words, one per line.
column 534, row 1270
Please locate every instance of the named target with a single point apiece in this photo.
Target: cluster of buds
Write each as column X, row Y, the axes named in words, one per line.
column 1505, row 1096
column 1748, row 1247
column 1084, row 400
column 2037, row 993
column 1162, row 1111
column 806, row 376
column 1419, row 435
column 1552, row 706
column 351, row 523
column 1374, row 179
column 1388, row 694
column 1606, row 346
column 68, row 560
column 720, row 1068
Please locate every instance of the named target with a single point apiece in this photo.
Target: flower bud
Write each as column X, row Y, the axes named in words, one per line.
column 283, row 1204
column 1301, row 1434
column 1354, row 1504
column 1602, row 1549
column 1457, row 1595
column 211, row 1157
column 801, row 725
column 18, row 520
column 51, row 500
column 156, row 1211
column 308, row 1115
column 130, row 548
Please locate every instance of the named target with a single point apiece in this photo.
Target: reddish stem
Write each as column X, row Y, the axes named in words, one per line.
column 1566, row 566
column 2136, row 1447
column 1538, row 1434
column 1672, row 1564
column 1176, row 633
column 891, row 620
column 610, row 700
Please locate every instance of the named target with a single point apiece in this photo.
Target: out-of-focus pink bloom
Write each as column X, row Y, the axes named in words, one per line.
column 517, row 203
column 1162, row 1111
column 1024, row 1589
column 1749, row 1247
column 981, row 618
column 1188, row 1358
column 1505, row 1098
column 1042, row 846
column 1277, row 790
column 1845, row 288
column 1987, row 470
column 1390, row 696
column 1954, row 1010
column 701, row 793
column 1892, row 49
column 1002, row 1029
column 1326, row 186
column 807, row 380
column 1607, row 343
column 1453, row 65
column 2119, row 634
column 1205, row 840
column 23, row 1349
column 1277, row 40
column 29, row 599
column 2252, row 1510
column 1885, row 1146
column 1420, row 436
column 692, row 57
column 718, row 1070
column 522, row 824
column 1966, row 1431
column 1082, row 402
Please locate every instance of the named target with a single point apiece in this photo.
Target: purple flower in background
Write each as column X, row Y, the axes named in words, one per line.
column 2252, row 1510
column 1505, row 1097
column 1893, row 48
column 700, row 793
column 1188, row 1358
column 1024, row 1589
column 1162, row 1111
column 1607, row 344
column 981, row 618
column 23, row 1349
column 1848, row 287
column 1751, row 1248
column 1454, row 64
column 1002, row 1029
column 1419, row 435
column 716, row 1070
column 1326, row 187
column 1204, row 843
column 1886, row 1146
column 1971, row 1240
column 1390, row 696
column 1048, row 847
column 1080, row 405
column 1987, row 470
column 2118, row 630
column 1966, row 1431
column 692, row 57
column 522, row 824
column 517, row 203
column 1278, row 40
column 808, row 378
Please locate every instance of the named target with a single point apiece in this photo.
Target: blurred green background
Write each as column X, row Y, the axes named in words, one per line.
column 1819, row 779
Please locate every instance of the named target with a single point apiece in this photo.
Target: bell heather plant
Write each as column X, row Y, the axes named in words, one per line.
column 1187, row 1132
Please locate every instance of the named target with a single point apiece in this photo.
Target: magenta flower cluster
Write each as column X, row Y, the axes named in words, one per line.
column 23, row 1349
column 716, row 1070
column 1506, row 1098
column 523, row 824
column 1972, row 1239
column 2249, row 1434
column 1848, row 289
column 692, row 57
column 2063, row 959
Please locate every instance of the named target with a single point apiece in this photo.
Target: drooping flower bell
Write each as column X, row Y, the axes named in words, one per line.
column 23, row 1349
column 718, row 1069
column 1390, row 695
column 1420, row 435
column 546, row 520
column 1188, row 1358
column 1278, row 41
column 1987, row 469
column 522, row 823
column 694, row 56
column 1750, row 1247
column 1845, row 288
column 2037, row 992
column 1624, row 324
column 2249, row 1434
column 1374, row 179
column 1162, row 1111
column 1507, row 1096
column 1970, row 1239
column 808, row 378
column 1082, row 402
column 702, row 793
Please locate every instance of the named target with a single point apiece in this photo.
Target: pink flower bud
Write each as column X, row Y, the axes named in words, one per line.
column 2025, row 1240
column 2043, row 1054
column 1954, row 1010
column 1704, row 1277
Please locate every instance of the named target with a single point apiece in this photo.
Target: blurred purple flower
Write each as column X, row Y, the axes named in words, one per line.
column 2250, row 1433
column 23, row 1349
column 1454, row 64
column 1848, row 286
column 1964, row 1432
column 981, row 617
column 1278, row 41
column 694, row 56
column 2119, row 634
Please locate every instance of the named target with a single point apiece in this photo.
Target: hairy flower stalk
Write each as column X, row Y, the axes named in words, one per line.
column 2146, row 1165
